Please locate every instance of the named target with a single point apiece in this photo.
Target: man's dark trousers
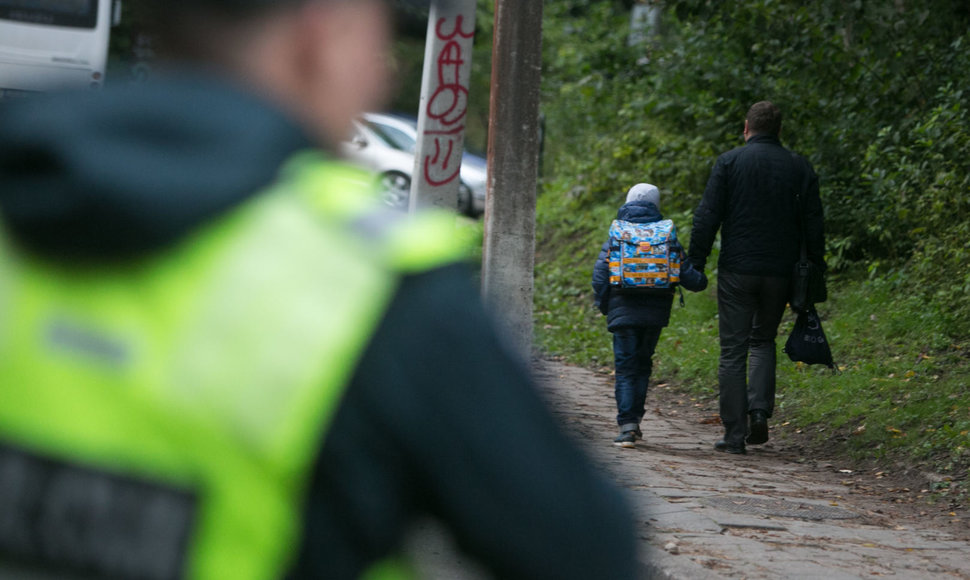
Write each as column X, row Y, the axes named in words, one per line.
column 749, row 311
column 633, row 358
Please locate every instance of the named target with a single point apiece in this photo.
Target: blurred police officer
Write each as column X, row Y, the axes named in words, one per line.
column 218, row 360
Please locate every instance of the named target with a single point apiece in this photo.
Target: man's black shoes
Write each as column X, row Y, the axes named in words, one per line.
column 758, row 422
column 726, row 447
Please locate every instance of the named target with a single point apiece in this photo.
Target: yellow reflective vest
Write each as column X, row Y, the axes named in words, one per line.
column 159, row 418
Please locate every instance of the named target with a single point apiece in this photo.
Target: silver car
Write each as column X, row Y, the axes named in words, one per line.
column 386, row 144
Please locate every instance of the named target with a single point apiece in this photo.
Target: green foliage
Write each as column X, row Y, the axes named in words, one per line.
column 874, row 96
column 601, row 132
column 920, row 211
column 902, row 392
column 841, row 71
column 566, row 322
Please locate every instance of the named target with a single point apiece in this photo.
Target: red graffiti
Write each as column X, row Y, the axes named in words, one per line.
column 447, row 106
column 456, row 31
column 432, row 163
column 449, row 103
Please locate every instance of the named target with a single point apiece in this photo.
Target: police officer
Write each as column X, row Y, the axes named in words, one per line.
column 218, row 360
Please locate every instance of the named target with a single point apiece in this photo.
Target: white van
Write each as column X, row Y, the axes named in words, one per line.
column 49, row 44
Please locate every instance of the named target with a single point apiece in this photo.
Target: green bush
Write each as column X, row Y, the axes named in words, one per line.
column 873, row 95
column 920, row 179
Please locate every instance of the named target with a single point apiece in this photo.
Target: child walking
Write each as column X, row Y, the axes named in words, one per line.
column 636, row 315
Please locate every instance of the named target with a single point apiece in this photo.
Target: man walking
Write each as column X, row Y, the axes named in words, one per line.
column 765, row 200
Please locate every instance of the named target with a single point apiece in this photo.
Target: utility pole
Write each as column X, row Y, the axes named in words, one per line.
column 508, row 257
column 444, row 104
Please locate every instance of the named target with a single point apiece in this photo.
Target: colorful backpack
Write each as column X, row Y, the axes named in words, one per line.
column 643, row 255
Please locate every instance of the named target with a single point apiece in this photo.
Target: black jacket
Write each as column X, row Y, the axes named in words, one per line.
column 753, row 197
column 439, row 419
column 637, row 308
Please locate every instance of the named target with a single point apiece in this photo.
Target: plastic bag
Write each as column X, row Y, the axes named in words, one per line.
column 807, row 342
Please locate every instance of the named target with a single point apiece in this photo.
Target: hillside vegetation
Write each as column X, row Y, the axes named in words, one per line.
column 874, row 96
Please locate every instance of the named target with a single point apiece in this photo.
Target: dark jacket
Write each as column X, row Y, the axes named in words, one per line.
column 638, row 308
column 124, row 174
column 753, row 196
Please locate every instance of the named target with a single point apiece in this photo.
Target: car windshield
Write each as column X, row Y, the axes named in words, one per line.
column 394, row 137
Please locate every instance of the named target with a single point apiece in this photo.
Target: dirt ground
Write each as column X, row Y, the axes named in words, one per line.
column 896, row 494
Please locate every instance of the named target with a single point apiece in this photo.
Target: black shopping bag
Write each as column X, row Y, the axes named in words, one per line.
column 807, row 342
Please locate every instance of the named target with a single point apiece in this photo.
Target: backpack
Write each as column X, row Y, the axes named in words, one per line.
column 643, row 256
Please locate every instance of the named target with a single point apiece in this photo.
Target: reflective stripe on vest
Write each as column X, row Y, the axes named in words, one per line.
column 160, row 419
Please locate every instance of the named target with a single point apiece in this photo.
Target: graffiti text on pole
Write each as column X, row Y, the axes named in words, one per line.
column 447, row 106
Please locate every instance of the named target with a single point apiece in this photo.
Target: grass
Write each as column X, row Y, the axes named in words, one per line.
column 901, row 397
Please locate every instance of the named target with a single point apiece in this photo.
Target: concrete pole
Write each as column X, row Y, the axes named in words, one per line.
column 444, row 103
column 508, row 258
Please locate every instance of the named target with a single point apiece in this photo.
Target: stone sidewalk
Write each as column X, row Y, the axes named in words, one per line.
column 704, row 514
